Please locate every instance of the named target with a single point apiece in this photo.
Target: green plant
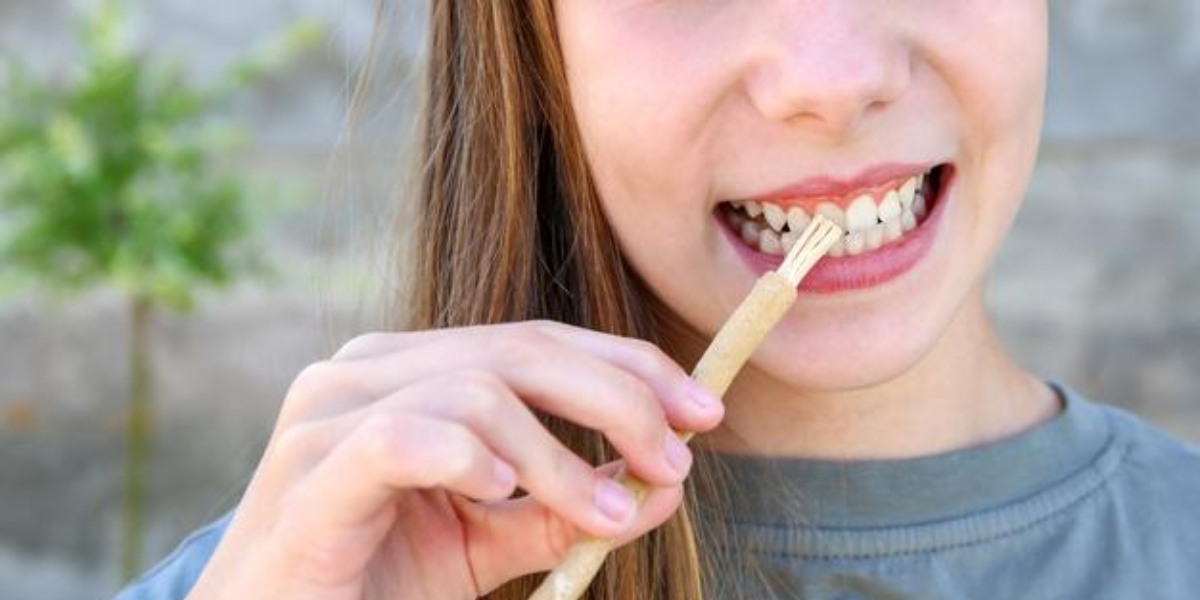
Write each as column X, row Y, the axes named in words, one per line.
column 110, row 178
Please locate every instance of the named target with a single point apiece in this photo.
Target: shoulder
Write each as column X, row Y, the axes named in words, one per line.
column 174, row 576
column 1154, row 454
column 1159, row 474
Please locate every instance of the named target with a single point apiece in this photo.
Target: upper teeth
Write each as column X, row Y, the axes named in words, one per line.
column 862, row 214
column 775, row 216
column 869, row 221
column 798, row 220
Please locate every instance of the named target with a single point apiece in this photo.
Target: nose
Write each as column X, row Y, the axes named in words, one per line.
column 826, row 66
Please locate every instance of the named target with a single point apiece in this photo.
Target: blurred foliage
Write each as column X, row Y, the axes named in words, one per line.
column 111, row 177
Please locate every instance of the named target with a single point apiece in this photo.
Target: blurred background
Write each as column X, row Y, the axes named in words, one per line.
column 1098, row 286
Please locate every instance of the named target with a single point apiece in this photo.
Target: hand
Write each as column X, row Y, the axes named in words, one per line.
column 392, row 465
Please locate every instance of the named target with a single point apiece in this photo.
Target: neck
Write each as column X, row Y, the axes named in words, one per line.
column 964, row 392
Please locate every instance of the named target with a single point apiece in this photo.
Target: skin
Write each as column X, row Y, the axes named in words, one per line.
column 389, row 471
column 380, row 479
column 747, row 97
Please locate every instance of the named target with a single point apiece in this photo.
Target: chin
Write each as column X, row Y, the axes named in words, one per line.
column 846, row 357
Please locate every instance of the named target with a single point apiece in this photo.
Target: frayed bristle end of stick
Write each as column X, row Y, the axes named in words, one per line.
column 817, row 239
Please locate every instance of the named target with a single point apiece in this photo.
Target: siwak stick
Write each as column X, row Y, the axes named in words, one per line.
column 737, row 339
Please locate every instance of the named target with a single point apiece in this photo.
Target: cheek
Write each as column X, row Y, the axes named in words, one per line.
column 641, row 87
column 1010, row 126
column 998, row 104
column 1001, row 99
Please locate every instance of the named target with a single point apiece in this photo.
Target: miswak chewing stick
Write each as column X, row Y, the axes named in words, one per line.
column 737, row 339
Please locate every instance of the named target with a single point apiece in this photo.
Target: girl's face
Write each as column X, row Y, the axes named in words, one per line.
column 715, row 128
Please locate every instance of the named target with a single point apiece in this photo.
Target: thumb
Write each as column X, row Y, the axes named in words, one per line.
column 511, row 538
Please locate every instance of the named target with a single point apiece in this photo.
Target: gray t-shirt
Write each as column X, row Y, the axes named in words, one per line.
column 1092, row 505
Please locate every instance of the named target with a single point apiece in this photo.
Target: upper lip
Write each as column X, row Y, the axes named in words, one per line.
column 827, row 187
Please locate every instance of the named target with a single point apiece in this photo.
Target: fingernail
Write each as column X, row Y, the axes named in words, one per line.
column 700, row 395
column 504, row 475
column 678, row 454
column 613, row 501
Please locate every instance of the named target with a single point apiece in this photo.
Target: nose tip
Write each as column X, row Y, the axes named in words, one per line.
column 830, row 86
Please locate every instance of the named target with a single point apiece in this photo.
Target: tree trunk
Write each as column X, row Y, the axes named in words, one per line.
column 139, row 430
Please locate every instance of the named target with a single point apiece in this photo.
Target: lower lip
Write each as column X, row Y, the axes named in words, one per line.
column 869, row 269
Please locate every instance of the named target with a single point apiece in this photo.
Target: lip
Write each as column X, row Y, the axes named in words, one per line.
column 870, row 269
column 843, row 190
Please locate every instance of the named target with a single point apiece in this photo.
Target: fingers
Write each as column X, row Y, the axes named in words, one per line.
column 393, row 447
column 390, row 438
column 634, row 406
column 592, row 393
column 686, row 403
column 389, row 452
column 487, row 408
column 451, row 409
column 517, row 537
column 545, row 468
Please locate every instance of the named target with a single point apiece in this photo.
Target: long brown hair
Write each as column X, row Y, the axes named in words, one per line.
column 508, row 227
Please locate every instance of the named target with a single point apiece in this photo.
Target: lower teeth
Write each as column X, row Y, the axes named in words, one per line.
column 757, row 233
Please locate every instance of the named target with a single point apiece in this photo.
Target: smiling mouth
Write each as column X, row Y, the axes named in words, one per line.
column 872, row 219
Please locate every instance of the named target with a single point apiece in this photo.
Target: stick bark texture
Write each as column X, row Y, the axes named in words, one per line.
column 773, row 294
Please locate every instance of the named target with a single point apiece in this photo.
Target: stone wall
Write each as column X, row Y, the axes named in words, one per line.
column 1098, row 286
column 1099, row 283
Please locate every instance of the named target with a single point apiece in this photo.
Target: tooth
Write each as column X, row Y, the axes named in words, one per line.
column 918, row 205
column 889, row 209
column 833, row 213
column 768, row 243
column 892, row 230
column 855, row 242
column 838, row 248
column 789, row 239
column 861, row 214
column 798, row 220
column 753, row 208
column 750, row 234
column 908, row 221
column 874, row 237
column 776, row 218
column 906, row 192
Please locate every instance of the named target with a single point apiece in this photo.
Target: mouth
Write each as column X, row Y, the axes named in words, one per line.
column 889, row 227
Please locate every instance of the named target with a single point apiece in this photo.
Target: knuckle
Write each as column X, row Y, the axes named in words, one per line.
column 536, row 333
column 555, row 330
column 524, row 346
column 457, row 455
column 544, row 326
column 309, row 387
column 376, row 438
column 314, row 377
column 432, row 458
column 481, row 410
column 362, row 344
column 635, row 399
column 481, row 391
column 650, row 359
column 640, row 414
column 297, row 443
column 567, row 469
